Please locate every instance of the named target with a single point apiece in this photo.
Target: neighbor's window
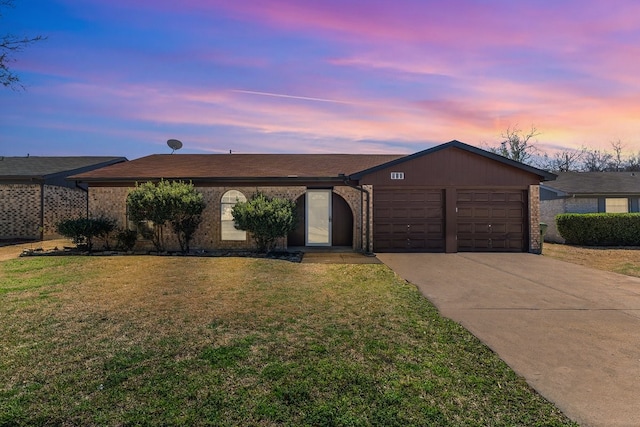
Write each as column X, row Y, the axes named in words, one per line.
column 229, row 231
column 616, row 205
column 397, row 175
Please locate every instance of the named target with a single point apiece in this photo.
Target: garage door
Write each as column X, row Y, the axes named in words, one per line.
column 491, row 220
column 408, row 220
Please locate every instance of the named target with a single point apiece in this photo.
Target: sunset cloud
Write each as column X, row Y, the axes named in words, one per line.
column 333, row 76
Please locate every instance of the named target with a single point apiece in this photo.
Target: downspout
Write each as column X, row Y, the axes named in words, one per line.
column 86, row 190
column 41, row 228
column 367, row 216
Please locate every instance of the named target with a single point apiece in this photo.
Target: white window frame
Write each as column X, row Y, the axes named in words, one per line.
column 397, row 175
column 228, row 232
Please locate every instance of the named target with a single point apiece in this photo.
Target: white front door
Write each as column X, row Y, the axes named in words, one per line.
column 318, row 218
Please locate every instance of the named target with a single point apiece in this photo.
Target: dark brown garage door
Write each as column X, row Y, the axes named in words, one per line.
column 408, row 220
column 491, row 220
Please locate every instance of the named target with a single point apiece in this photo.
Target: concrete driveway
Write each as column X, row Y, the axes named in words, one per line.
column 572, row 332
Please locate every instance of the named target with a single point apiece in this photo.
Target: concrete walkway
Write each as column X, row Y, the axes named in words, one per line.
column 572, row 332
column 338, row 258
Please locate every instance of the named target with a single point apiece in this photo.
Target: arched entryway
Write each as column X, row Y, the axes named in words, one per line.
column 340, row 222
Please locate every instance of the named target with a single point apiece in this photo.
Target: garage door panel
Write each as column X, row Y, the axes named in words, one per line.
column 515, row 213
column 417, row 213
column 408, row 220
column 491, row 220
column 435, row 229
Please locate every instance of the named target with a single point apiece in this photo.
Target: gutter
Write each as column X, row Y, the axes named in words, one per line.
column 300, row 180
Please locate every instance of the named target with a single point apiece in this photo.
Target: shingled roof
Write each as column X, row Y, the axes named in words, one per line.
column 595, row 183
column 200, row 167
column 42, row 168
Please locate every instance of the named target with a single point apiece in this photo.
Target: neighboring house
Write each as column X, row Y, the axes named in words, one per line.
column 35, row 194
column 587, row 192
column 453, row 197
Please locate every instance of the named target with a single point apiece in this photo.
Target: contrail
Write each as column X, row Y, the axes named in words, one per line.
column 304, row 98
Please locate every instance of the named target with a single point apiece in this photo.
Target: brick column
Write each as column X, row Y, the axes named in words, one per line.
column 534, row 219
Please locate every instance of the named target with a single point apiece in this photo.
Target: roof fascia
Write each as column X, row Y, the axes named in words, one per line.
column 276, row 180
column 559, row 193
column 547, row 176
column 70, row 172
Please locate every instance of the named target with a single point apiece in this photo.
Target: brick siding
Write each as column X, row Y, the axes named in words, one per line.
column 111, row 202
column 534, row 219
column 21, row 216
column 20, row 211
column 62, row 203
column 551, row 208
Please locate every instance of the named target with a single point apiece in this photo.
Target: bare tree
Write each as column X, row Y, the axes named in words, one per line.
column 617, row 161
column 517, row 145
column 9, row 45
column 596, row 161
column 633, row 163
column 565, row 161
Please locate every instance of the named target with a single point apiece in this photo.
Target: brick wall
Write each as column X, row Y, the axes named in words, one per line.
column 534, row 219
column 581, row 205
column 551, row 208
column 20, row 211
column 62, row 203
column 111, row 202
column 353, row 198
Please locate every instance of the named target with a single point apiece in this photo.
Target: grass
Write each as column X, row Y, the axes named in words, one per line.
column 238, row 341
column 623, row 260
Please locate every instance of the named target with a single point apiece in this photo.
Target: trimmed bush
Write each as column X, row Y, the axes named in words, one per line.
column 82, row 231
column 126, row 239
column 266, row 218
column 600, row 229
column 176, row 203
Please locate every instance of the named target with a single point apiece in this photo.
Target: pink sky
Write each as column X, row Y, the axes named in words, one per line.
column 122, row 77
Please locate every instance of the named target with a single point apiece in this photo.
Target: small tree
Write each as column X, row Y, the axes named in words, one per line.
column 188, row 205
column 266, row 218
column 174, row 202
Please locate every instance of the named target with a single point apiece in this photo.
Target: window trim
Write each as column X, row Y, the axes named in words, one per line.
column 240, row 197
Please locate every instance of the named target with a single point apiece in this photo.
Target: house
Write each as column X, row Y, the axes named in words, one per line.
column 587, row 192
column 35, row 194
column 453, row 197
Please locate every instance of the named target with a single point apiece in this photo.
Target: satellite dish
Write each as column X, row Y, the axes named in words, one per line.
column 174, row 144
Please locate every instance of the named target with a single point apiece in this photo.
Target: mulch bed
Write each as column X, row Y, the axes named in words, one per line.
column 73, row 251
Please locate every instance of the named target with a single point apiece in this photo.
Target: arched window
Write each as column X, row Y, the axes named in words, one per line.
column 228, row 229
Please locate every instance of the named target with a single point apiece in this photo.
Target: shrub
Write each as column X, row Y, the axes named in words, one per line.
column 173, row 202
column 126, row 239
column 82, row 231
column 266, row 218
column 600, row 229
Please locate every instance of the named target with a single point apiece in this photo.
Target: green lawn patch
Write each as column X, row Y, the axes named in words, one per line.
column 241, row 341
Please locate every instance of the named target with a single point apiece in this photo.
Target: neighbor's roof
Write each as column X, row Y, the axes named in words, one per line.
column 34, row 167
column 595, row 183
column 237, row 166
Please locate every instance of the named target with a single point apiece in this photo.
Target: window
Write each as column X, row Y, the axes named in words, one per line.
column 397, row 175
column 616, row 205
column 228, row 229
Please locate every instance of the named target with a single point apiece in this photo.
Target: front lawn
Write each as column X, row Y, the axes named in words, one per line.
column 623, row 260
column 239, row 341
